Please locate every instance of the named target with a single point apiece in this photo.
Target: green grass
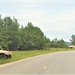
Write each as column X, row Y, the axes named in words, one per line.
column 18, row 55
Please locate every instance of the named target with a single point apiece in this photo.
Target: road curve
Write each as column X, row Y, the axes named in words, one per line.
column 53, row 63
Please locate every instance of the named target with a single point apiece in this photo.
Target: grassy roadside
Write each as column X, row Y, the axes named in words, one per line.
column 18, row 55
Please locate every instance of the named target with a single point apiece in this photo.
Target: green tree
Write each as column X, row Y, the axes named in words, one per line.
column 61, row 44
column 58, row 43
column 13, row 37
column 3, row 35
column 11, row 28
column 31, row 38
column 54, row 42
column 72, row 39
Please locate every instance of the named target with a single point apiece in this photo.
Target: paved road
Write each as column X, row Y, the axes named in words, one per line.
column 54, row 63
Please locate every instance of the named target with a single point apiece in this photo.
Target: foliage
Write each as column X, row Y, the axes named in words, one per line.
column 32, row 38
column 58, row 43
column 13, row 37
column 72, row 39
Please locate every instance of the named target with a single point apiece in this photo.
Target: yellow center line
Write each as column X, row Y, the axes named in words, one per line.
column 45, row 67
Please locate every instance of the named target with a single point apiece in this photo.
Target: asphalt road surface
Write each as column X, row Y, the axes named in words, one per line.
column 53, row 63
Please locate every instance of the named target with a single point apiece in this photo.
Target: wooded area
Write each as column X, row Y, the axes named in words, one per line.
column 16, row 37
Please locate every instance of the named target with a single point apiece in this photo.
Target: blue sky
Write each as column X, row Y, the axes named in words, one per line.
column 56, row 18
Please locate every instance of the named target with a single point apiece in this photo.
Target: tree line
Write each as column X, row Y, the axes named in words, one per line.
column 14, row 37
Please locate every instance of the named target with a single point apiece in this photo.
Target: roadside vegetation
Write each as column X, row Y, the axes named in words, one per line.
column 27, row 40
column 14, row 36
column 18, row 55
